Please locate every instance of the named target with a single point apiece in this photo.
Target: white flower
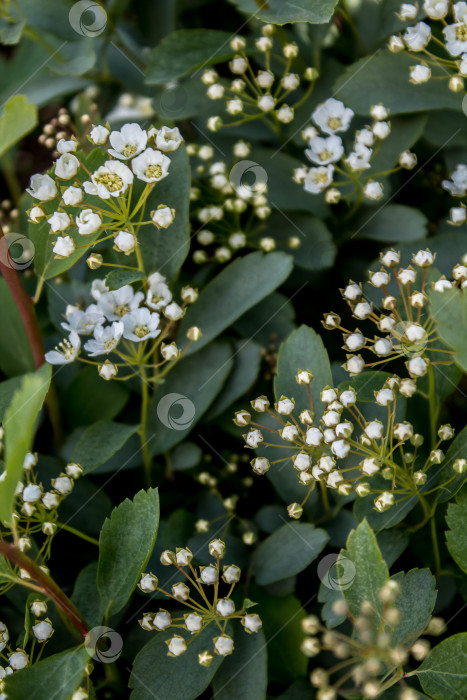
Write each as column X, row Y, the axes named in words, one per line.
column 209, row 574
column 408, row 11
column 64, row 146
column 420, row 74
column 64, row 247
column 344, row 430
column 88, row 222
column 382, row 347
column 457, row 186
column 99, row 135
column 333, row 479
column 151, row 166
column 173, row 311
column 302, row 461
column 67, row 166
column 168, row 139
column 125, row 242
column 119, row 302
column 176, row 645
column 159, row 294
column 373, row 190
column 403, row 431
column 381, row 130
column 98, row 288
column 354, row 364
column 285, row 114
column 332, row 116
column 225, row 607
column 415, row 332
column 317, row 179
column 340, row 448
column 31, row 493
column 456, row 34
column 407, row 160
column 82, row 322
column 285, row 406
column 436, row 9
column 362, row 310
column 441, row 285
column 72, row 196
column 105, row 339
column 42, row 630
column 417, row 37
column 266, row 103
column 463, row 65
column 162, row 620
column 265, row 78
column 193, row 622
column 379, row 112
column 370, row 466
column 215, row 91
column 223, row 644
column 314, row 437
column 328, row 395
column 59, row 221
column 359, row 158
column 128, row 142
column 374, row 430
column 458, row 215
column 110, row 180
column 18, row 660
column 140, row 325
column 348, row 397
column 42, row 187
column 251, row 623
column 417, row 366
column 325, row 150
column 238, row 65
column 365, row 136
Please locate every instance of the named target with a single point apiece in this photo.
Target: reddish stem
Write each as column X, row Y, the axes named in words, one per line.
column 48, row 585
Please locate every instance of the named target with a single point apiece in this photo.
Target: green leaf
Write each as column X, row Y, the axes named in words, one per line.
column 317, row 249
column 443, row 674
column 394, row 222
column 246, row 365
column 456, row 536
column 289, row 550
column 99, row 442
column 125, row 545
column 18, row 119
column 271, row 319
column 185, row 51
column 384, row 77
column 406, row 130
column 10, row 31
column 457, row 450
column 86, row 596
column 89, row 398
column 60, row 672
column 241, row 285
column 187, row 392
column 369, row 568
column 15, row 351
column 285, row 11
column 243, row 673
column 415, row 604
column 449, row 310
column 165, row 250
column 119, row 278
column 156, row 675
column 7, row 391
column 303, row 349
column 19, row 423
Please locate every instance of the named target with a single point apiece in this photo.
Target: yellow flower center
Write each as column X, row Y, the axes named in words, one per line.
column 325, row 155
column 320, row 178
column 461, row 32
column 109, row 344
column 111, row 181
column 129, row 150
column 122, row 309
column 141, row 331
column 153, row 171
column 334, row 123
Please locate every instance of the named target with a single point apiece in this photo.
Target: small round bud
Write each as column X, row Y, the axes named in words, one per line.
column 295, row 510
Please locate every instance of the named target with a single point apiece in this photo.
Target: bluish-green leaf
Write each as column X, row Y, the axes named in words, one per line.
column 99, row 442
column 243, row 673
column 58, row 677
column 443, row 674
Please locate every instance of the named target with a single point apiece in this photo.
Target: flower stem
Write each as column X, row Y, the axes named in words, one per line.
column 432, row 404
column 78, row 533
column 143, row 427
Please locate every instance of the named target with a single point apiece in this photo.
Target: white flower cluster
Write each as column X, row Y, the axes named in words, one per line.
column 326, row 153
column 257, row 92
column 18, row 659
column 457, row 187
column 202, row 611
column 404, row 326
column 451, row 18
column 78, row 203
column 118, row 316
column 231, row 213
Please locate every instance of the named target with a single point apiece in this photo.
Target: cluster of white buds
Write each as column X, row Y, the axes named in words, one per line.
column 457, row 187
column 334, row 171
column 18, row 658
column 230, row 213
column 445, row 26
column 370, row 655
column 404, row 326
column 193, row 592
column 58, row 128
column 371, row 449
column 78, row 201
column 255, row 91
column 130, row 325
